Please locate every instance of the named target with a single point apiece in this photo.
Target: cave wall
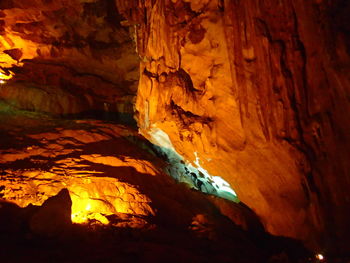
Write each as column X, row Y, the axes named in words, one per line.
column 260, row 91
column 67, row 56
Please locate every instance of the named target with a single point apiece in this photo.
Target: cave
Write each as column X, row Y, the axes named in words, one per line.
column 174, row 131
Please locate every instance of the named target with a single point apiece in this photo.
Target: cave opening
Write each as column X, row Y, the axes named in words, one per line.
column 175, row 130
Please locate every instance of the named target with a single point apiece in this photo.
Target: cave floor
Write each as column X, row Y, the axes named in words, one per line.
column 124, row 208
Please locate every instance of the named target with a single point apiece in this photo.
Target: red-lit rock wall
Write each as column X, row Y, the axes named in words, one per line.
column 260, row 90
column 67, row 56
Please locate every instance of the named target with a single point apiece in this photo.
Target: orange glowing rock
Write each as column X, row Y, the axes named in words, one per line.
column 92, row 179
column 217, row 87
column 95, row 197
column 92, row 197
column 9, row 42
column 5, row 77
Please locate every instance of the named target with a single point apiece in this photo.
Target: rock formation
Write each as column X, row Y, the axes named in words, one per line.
column 105, row 177
column 255, row 93
column 67, row 56
column 54, row 216
column 258, row 89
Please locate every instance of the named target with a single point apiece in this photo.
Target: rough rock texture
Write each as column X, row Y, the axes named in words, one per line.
column 105, row 170
column 260, row 91
column 107, row 176
column 66, row 56
column 257, row 90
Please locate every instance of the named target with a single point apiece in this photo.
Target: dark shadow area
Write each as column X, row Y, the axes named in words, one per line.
column 157, row 243
column 110, row 116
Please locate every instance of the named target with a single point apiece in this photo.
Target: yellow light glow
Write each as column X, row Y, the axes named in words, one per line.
column 83, row 212
column 94, row 199
column 10, row 41
column 85, row 217
column 319, row 257
column 4, row 77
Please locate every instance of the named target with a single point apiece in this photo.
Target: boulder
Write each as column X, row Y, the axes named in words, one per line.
column 54, row 216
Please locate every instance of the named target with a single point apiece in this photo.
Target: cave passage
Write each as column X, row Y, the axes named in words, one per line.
column 175, row 130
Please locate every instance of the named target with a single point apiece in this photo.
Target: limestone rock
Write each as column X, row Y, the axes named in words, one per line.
column 258, row 91
column 66, row 57
column 255, row 92
column 111, row 180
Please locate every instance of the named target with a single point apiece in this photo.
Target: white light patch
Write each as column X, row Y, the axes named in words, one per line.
column 88, row 207
column 320, row 257
column 160, row 138
column 4, row 77
column 194, row 175
column 223, row 185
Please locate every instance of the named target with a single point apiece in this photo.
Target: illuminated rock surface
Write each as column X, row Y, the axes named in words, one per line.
column 67, row 56
column 253, row 95
column 105, row 177
column 259, row 91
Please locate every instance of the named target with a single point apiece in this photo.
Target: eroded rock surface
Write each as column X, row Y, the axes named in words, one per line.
column 66, row 56
column 255, row 92
column 258, row 90
column 108, row 177
column 107, row 168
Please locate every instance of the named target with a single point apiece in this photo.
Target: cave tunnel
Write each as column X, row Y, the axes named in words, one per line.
column 174, row 131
